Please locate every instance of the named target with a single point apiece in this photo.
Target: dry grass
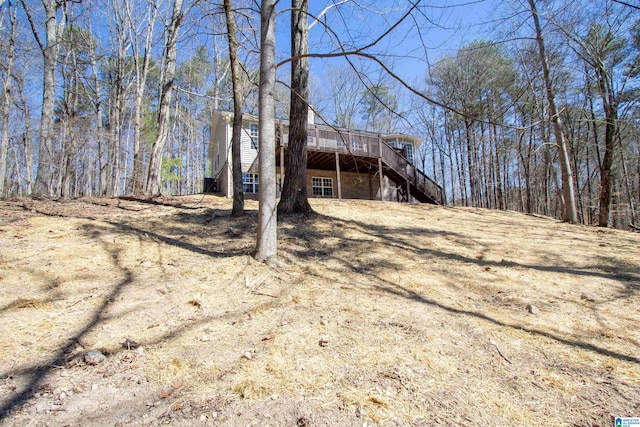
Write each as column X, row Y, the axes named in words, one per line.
column 387, row 314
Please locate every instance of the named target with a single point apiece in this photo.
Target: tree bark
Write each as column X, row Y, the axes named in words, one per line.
column 471, row 163
column 71, row 84
column 27, row 138
column 606, row 180
column 238, row 103
column 266, row 242
column 155, row 163
column 116, row 117
column 294, row 198
column 569, row 207
column 44, row 176
column 627, row 182
column 501, row 203
column 6, row 98
column 142, row 71
column 610, row 107
column 97, row 102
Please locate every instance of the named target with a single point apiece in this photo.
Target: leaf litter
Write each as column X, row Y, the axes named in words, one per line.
column 380, row 314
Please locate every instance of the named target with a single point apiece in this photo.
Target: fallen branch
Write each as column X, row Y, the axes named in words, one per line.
column 634, row 227
column 493, row 343
column 253, row 288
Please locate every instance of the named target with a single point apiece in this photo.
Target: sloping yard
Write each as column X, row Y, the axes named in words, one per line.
column 385, row 314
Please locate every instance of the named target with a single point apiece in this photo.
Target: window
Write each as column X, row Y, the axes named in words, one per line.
column 322, row 187
column 250, row 182
column 409, row 148
column 253, row 132
column 356, row 143
column 403, row 146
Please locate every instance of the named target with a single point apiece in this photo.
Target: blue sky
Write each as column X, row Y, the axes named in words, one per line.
column 439, row 28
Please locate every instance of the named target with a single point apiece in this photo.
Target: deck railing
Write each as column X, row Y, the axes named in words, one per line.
column 367, row 145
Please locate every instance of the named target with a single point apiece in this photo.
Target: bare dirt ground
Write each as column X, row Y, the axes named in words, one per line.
column 386, row 314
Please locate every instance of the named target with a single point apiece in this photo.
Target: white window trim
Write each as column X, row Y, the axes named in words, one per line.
column 404, row 145
column 254, row 183
column 326, row 183
column 254, row 134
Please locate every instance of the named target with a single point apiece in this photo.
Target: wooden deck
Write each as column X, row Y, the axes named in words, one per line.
column 349, row 151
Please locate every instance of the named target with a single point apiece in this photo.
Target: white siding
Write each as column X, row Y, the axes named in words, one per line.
column 219, row 144
column 249, row 155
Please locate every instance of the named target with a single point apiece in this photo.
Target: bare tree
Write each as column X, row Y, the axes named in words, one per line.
column 141, row 61
column 98, row 117
column 27, row 139
column 70, row 43
column 54, row 26
column 117, row 77
column 166, row 92
column 238, row 105
column 266, row 241
column 605, row 53
column 569, row 208
column 6, row 95
column 345, row 91
column 294, row 198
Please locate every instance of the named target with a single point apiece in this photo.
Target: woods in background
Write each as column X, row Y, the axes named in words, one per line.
column 114, row 98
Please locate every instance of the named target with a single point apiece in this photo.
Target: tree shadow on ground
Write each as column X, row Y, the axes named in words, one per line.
column 158, row 202
column 311, row 242
column 385, row 233
column 341, row 252
column 38, row 373
column 129, row 229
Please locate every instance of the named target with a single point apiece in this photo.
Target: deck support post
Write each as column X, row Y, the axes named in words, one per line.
column 281, row 167
column 381, row 180
column 338, row 176
column 408, row 191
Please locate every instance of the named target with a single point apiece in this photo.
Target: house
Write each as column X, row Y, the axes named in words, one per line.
column 342, row 163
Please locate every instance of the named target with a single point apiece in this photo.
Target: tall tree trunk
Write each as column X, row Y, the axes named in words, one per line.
column 606, row 180
column 142, row 71
column 6, row 98
column 569, row 207
column 499, row 194
column 627, row 182
column 116, row 115
column 72, row 90
column 238, row 103
column 44, row 175
column 448, row 135
column 526, row 164
column 470, row 161
column 117, row 94
column 27, row 137
column 97, row 102
column 49, row 50
column 155, row 163
column 589, row 189
column 266, row 241
column 462, row 167
column 294, row 198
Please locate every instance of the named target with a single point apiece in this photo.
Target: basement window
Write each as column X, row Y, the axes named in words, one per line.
column 322, row 187
column 250, row 183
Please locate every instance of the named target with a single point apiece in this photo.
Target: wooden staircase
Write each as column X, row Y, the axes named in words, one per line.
column 406, row 175
column 369, row 148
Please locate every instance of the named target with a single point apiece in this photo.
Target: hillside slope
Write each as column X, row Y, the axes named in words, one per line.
column 386, row 314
